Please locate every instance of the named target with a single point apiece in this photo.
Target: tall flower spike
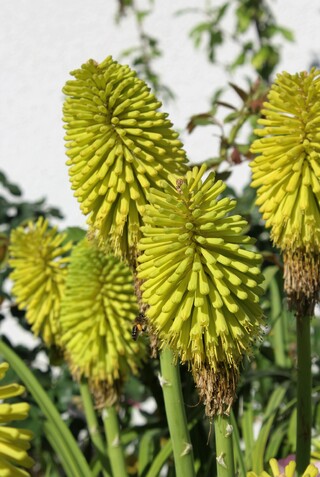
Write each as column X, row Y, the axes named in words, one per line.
column 287, row 177
column 97, row 313
column 119, row 145
column 14, row 442
column 289, row 471
column 201, row 281
column 37, row 256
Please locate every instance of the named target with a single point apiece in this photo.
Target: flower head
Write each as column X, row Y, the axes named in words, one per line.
column 97, row 313
column 37, row 256
column 119, row 145
column 289, row 470
column 287, row 177
column 201, row 279
column 14, row 442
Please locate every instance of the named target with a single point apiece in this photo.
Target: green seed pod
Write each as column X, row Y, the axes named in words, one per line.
column 287, row 177
column 201, row 281
column 14, row 442
column 119, row 145
column 97, row 315
column 37, row 256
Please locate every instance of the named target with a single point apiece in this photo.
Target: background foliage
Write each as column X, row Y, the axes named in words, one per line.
column 264, row 413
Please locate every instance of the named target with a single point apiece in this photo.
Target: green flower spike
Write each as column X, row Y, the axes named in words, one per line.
column 201, row 282
column 97, row 312
column 287, row 177
column 119, row 145
column 289, row 471
column 14, row 442
column 37, row 256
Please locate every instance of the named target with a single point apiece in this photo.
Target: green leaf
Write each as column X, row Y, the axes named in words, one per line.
column 286, row 33
column 142, row 14
column 243, row 19
column 240, row 92
column 269, row 273
column 160, row 459
column 231, row 117
column 75, row 234
column 14, row 189
column 270, row 414
column 247, row 432
column 148, row 447
column 276, row 441
column 197, row 32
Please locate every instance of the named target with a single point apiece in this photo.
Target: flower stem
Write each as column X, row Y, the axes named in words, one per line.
column 115, row 450
column 176, row 416
column 224, row 448
column 93, row 427
column 303, row 393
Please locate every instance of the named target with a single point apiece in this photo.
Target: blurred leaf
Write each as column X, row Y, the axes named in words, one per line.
column 269, row 273
column 243, row 19
column 232, row 116
column 142, row 14
column 196, row 33
column 75, row 234
column 275, row 441
column 269, row 417
column 226, row 105
column 240, row 92
column 202, row 119
column 148, row 448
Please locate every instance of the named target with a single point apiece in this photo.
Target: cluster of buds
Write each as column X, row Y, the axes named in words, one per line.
column 286, row 174
column 14, row 441
column 97, row 313
column 84, row 303
column 38, row 256
column 119, row 145
column 201, row 282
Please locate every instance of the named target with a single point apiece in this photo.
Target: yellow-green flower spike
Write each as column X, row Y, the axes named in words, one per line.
column 97, row 314
column 201, row 280
column 118, row 145
column 14, row 442
column 39, row 262
column 289, row 471
column 287, row 177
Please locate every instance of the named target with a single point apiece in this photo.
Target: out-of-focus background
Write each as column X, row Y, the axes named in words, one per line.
column 41, row 41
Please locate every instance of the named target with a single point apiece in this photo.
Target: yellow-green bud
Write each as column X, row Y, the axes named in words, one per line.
column 289, row 471
column 14, row 442
column 97, row 315
column 201, row 277
column 39, row 262
column 119, row 145
column 287, row 177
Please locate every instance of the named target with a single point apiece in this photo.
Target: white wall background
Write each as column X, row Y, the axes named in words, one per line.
column 42, row 40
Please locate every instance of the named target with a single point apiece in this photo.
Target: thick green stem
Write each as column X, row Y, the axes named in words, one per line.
column 224, row 448
column 303, row 393
column 176, row 416
column 93, row 427
column 115, row 450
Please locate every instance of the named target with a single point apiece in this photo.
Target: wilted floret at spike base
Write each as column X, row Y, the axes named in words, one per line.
column 38, row 256
column 201, row 281
column 286, row 174
column 119, row 145
column 14, row 442
column 97, row 314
